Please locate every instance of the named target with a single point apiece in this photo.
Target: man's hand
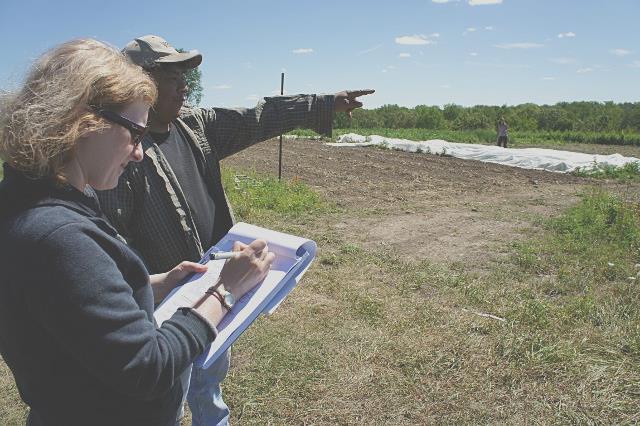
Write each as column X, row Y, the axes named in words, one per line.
column 346, row 101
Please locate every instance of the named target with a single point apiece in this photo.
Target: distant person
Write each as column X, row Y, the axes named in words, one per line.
column 503, row 135
column 76, row 303
column 171, row 206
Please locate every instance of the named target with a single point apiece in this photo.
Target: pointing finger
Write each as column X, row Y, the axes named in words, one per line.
column 362, row 92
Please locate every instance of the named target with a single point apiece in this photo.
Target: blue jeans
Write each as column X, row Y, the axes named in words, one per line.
column 205, row 395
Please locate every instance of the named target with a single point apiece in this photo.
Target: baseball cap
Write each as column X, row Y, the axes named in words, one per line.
column 151, row 50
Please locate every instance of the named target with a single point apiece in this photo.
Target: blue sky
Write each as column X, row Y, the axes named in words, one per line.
column 412, row 52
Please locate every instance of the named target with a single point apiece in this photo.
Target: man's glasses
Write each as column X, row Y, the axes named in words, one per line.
column 137, row 131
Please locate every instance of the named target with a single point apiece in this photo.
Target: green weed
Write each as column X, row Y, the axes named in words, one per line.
column 255, row 197
column 628, row 172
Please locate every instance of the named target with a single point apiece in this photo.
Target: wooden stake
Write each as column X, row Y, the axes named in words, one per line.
column 280, row 148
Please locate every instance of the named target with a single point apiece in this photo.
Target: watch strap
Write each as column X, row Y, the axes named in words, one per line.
column 213, row 291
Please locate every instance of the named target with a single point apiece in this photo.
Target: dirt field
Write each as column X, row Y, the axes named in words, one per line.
column 423, row 206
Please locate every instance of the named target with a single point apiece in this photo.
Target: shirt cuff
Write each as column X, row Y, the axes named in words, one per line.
column 192, row 314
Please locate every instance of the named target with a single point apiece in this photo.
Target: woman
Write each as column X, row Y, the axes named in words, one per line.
column 76, row 304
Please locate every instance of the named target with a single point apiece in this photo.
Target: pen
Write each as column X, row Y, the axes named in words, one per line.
column 222, row 255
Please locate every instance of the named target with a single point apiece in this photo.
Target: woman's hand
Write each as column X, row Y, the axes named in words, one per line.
column 162, row 284
column 242, row 272
column 238, row 275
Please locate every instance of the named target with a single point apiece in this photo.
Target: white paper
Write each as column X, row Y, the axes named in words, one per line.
column 189, row 293
column 293, row 257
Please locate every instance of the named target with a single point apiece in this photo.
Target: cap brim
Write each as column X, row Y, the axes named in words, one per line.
column 189, row 59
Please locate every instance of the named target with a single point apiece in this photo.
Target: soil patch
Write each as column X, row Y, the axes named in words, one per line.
column 422, row 206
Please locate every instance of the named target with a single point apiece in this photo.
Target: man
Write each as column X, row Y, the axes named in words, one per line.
column 503, row 136
column 171, row 206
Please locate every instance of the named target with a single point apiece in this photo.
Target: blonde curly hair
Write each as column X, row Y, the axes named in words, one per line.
column 41, row 123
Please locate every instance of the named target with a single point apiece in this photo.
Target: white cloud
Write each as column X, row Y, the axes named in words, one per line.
column 489, row 28
column 417, row 39
column 548, row 78
column 620, row 52
column 303, row 51
column 518, row 45
column 483, row 2
column 563, row 60
column 584, row 70
column 404, row 55
column 446, row 86
column 369, row 50
column 221, row 87
column 635, row 64
column 469, row 30
column 566, row 35
column 444, row 1
column 473, row 54
column 252, row 98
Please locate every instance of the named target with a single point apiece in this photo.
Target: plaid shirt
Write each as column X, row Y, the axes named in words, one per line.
column 148, row 207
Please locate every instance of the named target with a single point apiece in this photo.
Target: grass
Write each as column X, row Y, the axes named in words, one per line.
column 257, row 199
column 372, row 338
column 12, row 410
column 406, row 334
column 578, row 318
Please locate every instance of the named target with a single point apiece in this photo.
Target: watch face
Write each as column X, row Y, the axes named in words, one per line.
column 229, row 299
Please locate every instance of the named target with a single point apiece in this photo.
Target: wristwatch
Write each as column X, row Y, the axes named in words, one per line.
column 225, row 297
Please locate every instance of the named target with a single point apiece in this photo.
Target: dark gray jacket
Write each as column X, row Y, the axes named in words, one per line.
column 76, row 314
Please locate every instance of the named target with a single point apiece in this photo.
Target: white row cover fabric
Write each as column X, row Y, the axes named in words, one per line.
column 526, row 158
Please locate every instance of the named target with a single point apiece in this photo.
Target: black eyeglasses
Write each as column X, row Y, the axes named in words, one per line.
column 137, row 131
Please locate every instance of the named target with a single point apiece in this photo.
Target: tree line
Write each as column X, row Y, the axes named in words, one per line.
column 563, row 117
column 583, row 116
